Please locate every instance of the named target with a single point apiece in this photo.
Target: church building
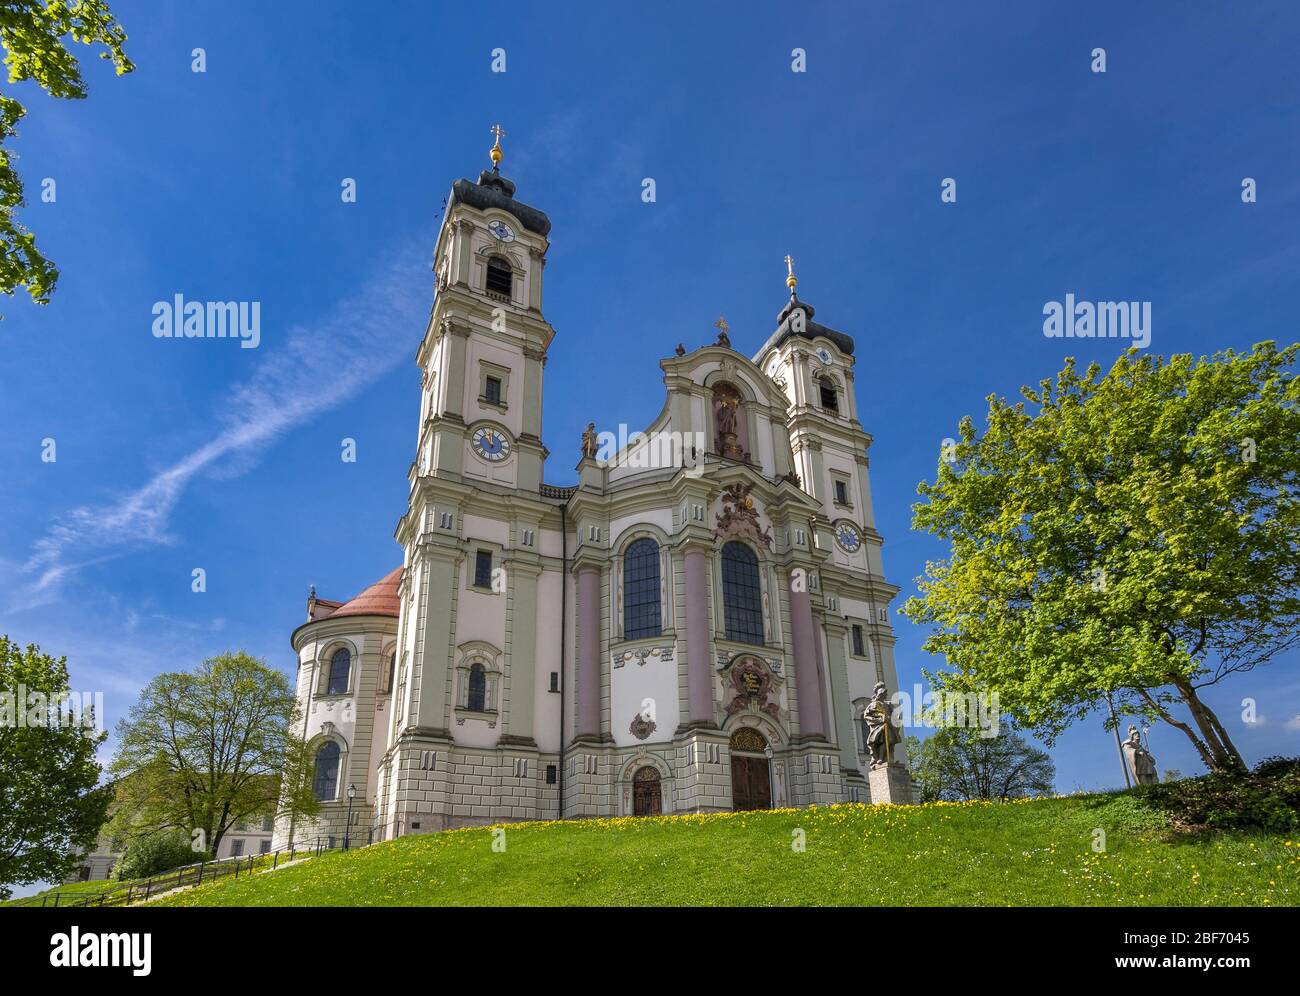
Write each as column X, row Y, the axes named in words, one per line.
column 697, row 625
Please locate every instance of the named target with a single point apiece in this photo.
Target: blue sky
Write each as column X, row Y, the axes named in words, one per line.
column 226, row 185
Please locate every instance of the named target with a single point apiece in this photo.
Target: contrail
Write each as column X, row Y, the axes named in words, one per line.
column 320, row 367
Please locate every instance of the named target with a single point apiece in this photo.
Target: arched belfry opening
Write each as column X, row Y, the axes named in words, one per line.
column 499, row 276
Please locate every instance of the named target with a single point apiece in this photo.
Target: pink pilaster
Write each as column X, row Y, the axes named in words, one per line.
column 699, row 674
column 589, row 652
column 807, row 681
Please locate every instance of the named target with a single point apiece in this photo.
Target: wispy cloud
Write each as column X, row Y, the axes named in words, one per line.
column 361, row 339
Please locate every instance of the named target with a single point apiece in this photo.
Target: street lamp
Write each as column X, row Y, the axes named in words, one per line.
column 347, row 830
column 771, row 780
column 1119, row 747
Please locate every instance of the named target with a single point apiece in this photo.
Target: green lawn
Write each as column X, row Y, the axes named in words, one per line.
column 73, row 891
column 1028, row 853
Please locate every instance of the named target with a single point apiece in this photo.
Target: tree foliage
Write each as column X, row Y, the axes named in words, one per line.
column 957, row 764
column 50, row 808
column 1267, row 799
column 155, row 854
column 203, row 750
column 35, row 36
column 1136, row 533
column 297, row 783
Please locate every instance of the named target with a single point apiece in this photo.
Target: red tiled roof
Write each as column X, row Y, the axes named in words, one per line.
column 380, row 599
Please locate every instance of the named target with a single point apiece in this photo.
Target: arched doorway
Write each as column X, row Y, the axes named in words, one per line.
column 647, row 793
column 751, row 780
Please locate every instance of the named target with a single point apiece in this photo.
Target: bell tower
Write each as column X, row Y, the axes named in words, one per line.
column 486, row 342
column 467, row 684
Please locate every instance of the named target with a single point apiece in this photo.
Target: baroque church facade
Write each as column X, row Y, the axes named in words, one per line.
column 697, row 625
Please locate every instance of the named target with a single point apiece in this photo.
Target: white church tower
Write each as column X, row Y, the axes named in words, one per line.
column 474, row 677
column 814, row 367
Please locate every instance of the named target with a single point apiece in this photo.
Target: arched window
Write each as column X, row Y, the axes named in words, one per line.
column 742, row 595
column 498, row 276
column 641, row 610
column 477, row 701
column 830, row 396
column 392, row 668
column 327, row 771
column 340, row 666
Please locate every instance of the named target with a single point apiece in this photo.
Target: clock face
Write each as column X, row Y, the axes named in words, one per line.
column 491, row 443
column 501, row 231
column 846, row 535
column 824, row 355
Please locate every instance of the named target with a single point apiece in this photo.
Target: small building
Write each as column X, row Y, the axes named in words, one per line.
column 249, row 837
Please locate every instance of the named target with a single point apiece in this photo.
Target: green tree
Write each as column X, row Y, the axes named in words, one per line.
column 157, row 853
column 1137, row 533
column 202, row 750
column 35, row 37
column 297, row 783
column 956, row 763
column 50, row 808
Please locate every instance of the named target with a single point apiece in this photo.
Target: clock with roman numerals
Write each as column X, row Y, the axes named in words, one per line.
column 491, row 442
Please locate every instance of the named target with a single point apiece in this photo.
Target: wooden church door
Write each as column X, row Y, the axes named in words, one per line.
column 647, row 793
column 751, row 783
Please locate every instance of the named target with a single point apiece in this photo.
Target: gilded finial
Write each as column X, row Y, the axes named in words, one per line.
column 723, row 328
column 496, row 153
column 790, row 279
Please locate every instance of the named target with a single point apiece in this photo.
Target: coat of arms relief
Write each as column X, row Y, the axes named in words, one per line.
column 739, row 517
column 751, row 684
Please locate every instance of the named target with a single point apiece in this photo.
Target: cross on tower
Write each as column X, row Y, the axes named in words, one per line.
column 496, row 152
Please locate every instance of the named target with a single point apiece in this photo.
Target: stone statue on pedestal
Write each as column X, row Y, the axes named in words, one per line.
column 883, row 730
column 1139, row 759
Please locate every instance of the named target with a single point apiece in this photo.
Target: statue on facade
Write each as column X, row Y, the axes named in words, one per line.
column 589, row 443
column 727, row 413
column 884, row 731
column 723, row 328
column 1139, row 759
column 727, row 419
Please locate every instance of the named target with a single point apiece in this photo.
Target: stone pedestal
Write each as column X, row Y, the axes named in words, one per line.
column 890, row 783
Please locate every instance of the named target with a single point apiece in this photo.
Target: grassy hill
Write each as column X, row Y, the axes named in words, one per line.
column 1026, row 853
column 72, row 891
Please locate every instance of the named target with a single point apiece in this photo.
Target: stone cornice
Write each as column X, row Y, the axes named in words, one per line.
column 335, row 626
column 809, row 419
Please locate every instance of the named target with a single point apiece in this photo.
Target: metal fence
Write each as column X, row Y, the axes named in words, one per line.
column 182, row 878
